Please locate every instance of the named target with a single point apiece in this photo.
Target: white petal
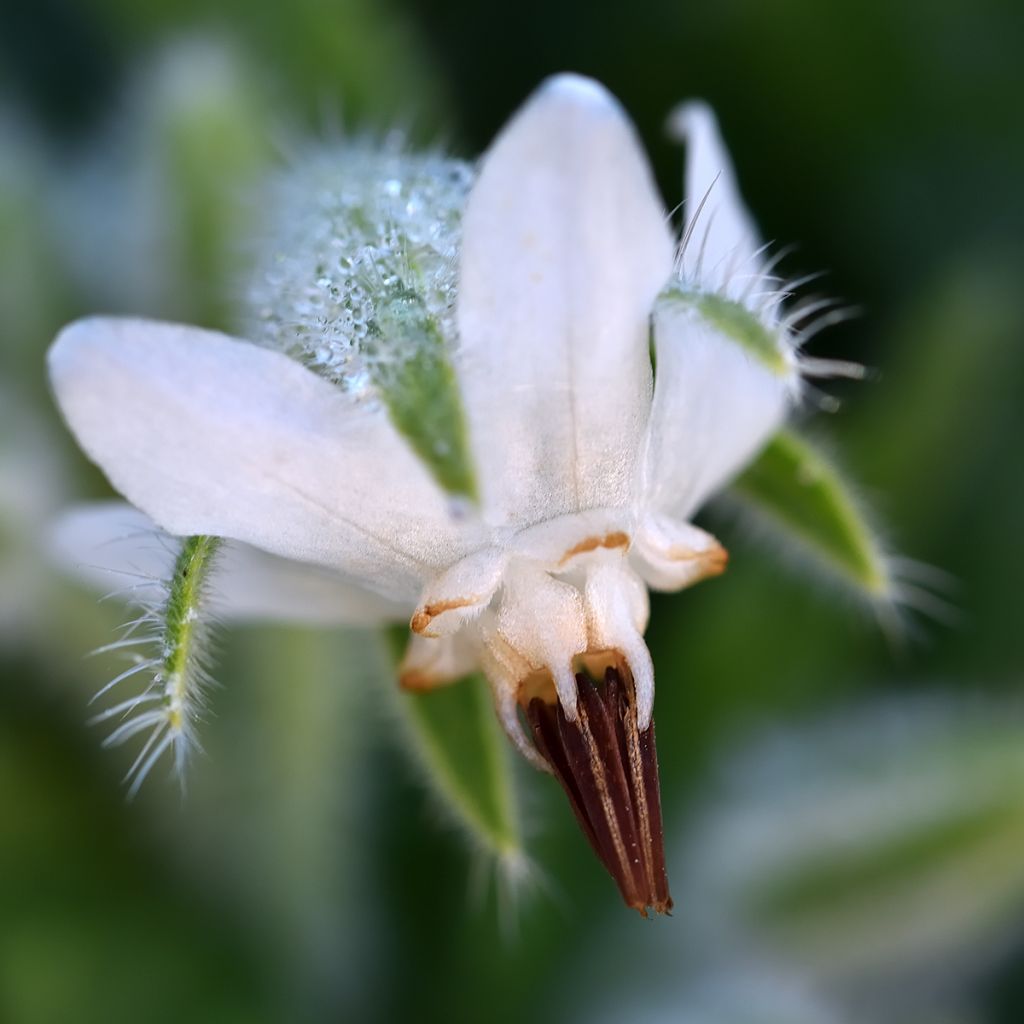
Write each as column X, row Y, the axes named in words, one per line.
column 617, row 613
column 558, row 543
column 253, row 586
column 715, row 405
column 429, row 663
column 541, row 622
column 502, row 666
column 460, row 594
column 565, row 247
column 115, row 548
column 671, row 554
column 208, row 434
column 721, row 253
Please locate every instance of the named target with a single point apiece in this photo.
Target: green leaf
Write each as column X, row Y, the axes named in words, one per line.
column 455, row 737
column 797, row 490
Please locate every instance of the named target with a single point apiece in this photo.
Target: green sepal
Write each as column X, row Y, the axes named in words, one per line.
column 421, row 392
column 735, row 321
column 455, row 738
column 186, row 589
column 797, row 490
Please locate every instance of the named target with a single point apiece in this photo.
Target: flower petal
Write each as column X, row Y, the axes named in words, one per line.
column 459, row 594
column 617, row 614
column 211, row 435
column 715, row 404
column 565, row 247
column 539, row 628
column 557, row 544
column 721, row 253
column 670, row 554
column 431, row 662
column 113, row 547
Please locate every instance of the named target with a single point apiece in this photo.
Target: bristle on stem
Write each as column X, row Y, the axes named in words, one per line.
column 170, row 704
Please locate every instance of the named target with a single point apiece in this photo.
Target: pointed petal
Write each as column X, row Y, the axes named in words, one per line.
column 722, row 241
column 539, row 628
column 671, row 554
column 715, row 404
column 431, row 662
column 211, row 435
column 617, row 614
column 253, row 586
column 459, row 594
column 113, row 547
column 558, row 543
column 565, row 247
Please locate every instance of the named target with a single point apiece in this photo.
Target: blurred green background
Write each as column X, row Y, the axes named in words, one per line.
column 845, row 817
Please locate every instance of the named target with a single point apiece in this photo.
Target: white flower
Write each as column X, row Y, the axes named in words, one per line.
column 587, row 465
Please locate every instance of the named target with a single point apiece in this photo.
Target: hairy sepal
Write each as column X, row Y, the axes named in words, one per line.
column 800, row 493
column 454, row 738
column 175, row 629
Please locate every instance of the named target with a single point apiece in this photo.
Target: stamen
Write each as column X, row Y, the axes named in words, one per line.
column 609, row 771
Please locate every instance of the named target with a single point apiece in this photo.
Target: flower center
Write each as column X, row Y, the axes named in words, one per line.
column 608, row 768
